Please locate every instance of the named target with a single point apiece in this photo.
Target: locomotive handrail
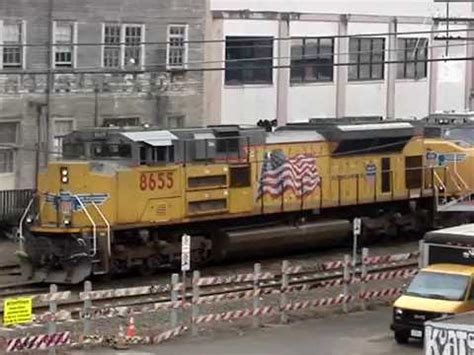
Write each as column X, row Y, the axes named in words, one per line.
column 94, row 227
column 109, row 247
column 22, row 220
column 441, row 183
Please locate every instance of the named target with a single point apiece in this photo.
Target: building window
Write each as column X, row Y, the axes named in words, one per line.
column 9, row 133
column 413, row 55
column 6, row 161
column 175, row 121
column 366, row 58
column 64, row 40
column 123, row 45
column 8, row 137
column 12, row 44
column 121, row 122
column 312, row 59
column 112, row 46
column 133, row 43
column 177, row 50
column 62, row 127
column 249, row 60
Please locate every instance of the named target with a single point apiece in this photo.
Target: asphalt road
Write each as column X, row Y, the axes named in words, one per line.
column 364, row 333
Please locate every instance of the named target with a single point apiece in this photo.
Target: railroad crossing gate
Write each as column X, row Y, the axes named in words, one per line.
column 17, row 311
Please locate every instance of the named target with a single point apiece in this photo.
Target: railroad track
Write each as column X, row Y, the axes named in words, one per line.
column 10, row 270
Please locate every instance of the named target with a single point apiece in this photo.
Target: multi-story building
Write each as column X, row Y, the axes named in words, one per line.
column 93, row 43
column 290, row 60
column 176, row 63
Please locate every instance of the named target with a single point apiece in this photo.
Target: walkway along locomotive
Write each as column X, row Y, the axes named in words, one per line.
column 122, row 198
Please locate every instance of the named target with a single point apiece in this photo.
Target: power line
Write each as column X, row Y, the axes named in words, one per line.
column 154, row 68
column 316, row 56
column 260, row 38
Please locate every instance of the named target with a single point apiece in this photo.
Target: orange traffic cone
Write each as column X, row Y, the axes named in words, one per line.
column 131, row 331
column 121, row 342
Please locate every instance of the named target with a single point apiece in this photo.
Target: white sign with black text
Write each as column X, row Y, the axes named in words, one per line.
column 186, row 253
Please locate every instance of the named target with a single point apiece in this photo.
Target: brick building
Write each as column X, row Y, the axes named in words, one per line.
column 94, row 43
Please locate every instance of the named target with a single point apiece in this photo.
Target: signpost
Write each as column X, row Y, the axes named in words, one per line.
column 185, row 260
column 356, row 231
column 17, row 311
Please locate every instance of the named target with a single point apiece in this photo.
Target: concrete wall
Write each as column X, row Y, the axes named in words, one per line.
column 153, row 96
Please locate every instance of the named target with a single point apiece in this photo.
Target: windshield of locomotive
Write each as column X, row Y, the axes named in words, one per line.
column 97, row 150
column 464, row 136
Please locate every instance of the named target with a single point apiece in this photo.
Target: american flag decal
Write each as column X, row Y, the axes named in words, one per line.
column 281, row 173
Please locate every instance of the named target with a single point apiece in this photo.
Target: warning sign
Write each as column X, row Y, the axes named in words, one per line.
column 17, row 311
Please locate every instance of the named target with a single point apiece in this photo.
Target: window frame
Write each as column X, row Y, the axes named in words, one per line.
column 124, row 119
column 185, row 47
column 242, row 82
column 21, row 44
column 72, row 45
column 416, row 61
column 11, row 146
column 122, row 46
column 56, row 136
column 318, row 57
column 359, row 63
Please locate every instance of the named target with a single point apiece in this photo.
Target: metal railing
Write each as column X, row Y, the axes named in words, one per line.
column 13, row 203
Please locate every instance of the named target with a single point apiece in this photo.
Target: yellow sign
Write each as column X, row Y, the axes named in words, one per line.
column 17, row 311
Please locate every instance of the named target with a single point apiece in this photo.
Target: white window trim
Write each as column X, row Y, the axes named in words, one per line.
column 23, row 42
column 186, row 49
column 73, row 44
column 123, row 26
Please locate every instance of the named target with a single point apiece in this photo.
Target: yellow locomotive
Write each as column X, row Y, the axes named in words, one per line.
column 121, row 198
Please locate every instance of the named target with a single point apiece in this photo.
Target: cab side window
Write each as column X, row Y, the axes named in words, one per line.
column 471, row 292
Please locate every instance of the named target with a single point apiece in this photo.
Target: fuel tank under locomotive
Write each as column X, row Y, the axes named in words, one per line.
column 239, row 243
column 55, row 258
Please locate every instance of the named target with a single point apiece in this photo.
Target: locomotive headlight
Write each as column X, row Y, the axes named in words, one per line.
column 67, row 222
column 29, row 220
column 64, row 175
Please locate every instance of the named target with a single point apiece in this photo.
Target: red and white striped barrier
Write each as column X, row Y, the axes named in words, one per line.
column 124, row 292
column 322, row 302
column 232, row 315
column 384, row 259
column 388, row 292
column 221, row 280
column 172, row 333
column 394, row 274
column 38, row 342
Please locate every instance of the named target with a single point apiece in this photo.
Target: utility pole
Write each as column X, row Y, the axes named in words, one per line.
column 49, row 80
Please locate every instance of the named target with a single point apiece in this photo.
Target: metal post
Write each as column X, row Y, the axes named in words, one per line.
column 196, row 295
column 346, row 279
column 256, row 294
column 363, row 278
column 53, row 309
column 421, row 248
column 284, row 292
column 87, row 309
column 174, row 300
column 183, row 290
